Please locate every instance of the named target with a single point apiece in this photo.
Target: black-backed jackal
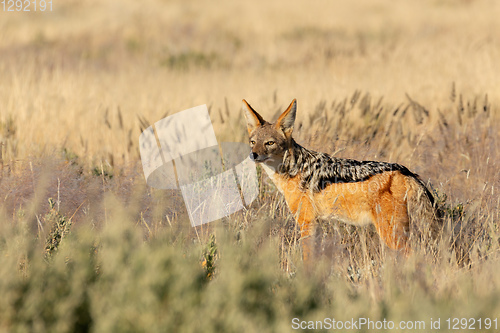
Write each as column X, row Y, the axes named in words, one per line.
column 316, row 185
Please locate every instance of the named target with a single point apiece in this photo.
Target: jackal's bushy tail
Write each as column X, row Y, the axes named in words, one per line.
column 425, row 217
column 430, row 223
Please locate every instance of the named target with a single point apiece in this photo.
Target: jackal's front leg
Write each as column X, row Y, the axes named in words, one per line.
column 305, row 215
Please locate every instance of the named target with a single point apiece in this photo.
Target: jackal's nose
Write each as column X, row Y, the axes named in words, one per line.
column 253, row 156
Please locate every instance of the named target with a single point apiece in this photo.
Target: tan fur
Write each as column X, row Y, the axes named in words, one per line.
column 384, row 199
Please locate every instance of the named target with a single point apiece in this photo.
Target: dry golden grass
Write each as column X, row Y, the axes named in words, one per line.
column 410, row 82
column 62, row 70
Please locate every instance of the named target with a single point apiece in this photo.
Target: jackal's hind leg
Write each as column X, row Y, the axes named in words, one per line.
column 392, row 222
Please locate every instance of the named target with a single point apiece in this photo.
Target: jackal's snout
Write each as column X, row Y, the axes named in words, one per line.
column 258, row 158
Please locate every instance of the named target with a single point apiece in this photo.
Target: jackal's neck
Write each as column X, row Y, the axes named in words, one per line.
column 296, row 159
column 283, row 168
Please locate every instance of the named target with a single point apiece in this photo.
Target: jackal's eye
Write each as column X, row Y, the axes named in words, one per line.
column 252, row 142
column 269, row 143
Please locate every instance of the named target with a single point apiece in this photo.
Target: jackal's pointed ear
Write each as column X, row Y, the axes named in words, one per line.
column 254, row 119
column 287, row 119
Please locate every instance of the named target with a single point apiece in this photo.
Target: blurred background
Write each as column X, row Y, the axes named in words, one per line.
column 62, row 72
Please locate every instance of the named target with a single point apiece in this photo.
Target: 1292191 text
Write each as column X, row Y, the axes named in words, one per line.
column 26, row 5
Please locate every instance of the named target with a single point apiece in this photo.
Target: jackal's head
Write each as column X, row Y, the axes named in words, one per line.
column 269, row 142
